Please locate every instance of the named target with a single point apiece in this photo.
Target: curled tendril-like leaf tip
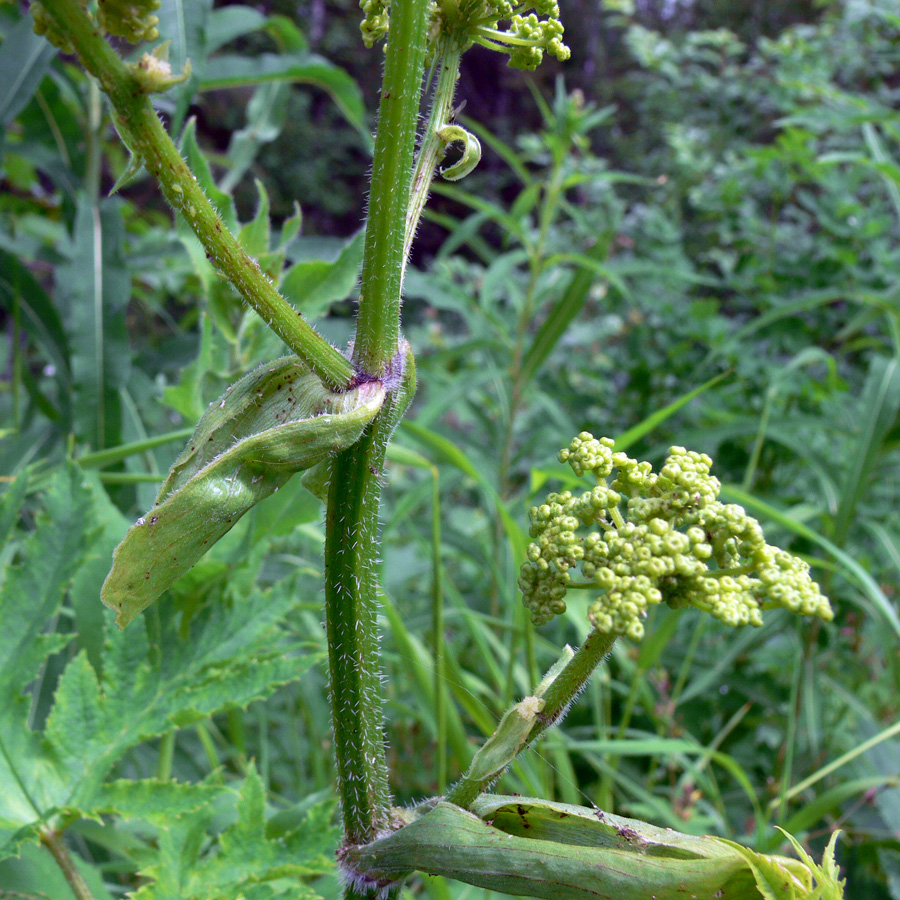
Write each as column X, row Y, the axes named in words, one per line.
column 471, row 154
column 659, row 537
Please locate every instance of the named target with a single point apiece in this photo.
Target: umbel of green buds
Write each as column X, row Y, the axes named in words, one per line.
column 533, row 28
column 642, row 538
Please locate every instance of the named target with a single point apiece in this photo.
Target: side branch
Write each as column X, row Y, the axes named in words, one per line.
column 142, row 131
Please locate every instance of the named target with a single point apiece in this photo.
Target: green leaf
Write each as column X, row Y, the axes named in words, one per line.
column 228, row 23
column 636, row 432
column 225, row 658
column 21, row 294
column 25, row 58
column 199, row 164
column 32, row 592
column 878, row 407
column 227, row 70
column 266, row 116
column 313, row 285
column 183, row 22
column 535, row 848
column 254, row 236
column 563, row 312
column 245, row 859
column 273, row 423
column 94, row 285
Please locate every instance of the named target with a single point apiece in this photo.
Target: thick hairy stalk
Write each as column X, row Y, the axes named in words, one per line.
column 378, row 323
column 351, row 589
column 142, row 131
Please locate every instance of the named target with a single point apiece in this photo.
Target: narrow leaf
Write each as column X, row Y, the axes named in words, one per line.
column 227, row 70
column 25, row 58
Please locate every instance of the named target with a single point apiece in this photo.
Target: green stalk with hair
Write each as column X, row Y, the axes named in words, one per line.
column 640, row 538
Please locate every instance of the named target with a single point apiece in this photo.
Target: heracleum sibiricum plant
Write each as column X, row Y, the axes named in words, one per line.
column 640, row 539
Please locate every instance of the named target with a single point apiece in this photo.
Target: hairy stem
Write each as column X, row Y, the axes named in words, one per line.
column 351, row 599
column 378, row 322
column 432, row 148
column 146, row 137
column 53, row 841
column 556, row 698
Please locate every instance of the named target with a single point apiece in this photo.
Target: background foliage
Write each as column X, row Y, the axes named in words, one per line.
column 707, row 196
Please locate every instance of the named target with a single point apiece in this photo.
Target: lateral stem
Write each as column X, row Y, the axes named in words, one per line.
column 144, row 134
column 432, row 148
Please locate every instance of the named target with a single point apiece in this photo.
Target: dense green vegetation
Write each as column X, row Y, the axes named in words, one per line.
column 694, row 241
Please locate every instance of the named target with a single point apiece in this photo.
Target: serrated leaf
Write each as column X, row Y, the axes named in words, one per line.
column 246, row 858
column 313, row 285
column 33, row 591
column 273, row 423
column 229, row 658
column 153, row 800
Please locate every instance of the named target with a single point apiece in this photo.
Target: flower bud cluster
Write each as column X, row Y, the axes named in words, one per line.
column 133, row 20
column 644, row 538
column 534, row 27
column 45, row 25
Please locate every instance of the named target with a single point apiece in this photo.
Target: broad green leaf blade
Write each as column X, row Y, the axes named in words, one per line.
column 227, row 70
column 273, row 423
column 95, row 286
column 230, row 22
column 25, row 58
column 151, row 799
column 313, row 285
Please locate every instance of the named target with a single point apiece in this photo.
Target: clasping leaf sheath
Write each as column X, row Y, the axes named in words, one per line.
column 536, row 848
column 274, row 422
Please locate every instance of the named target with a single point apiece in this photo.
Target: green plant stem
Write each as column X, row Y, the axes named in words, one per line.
column 53, row 841
column 165, row 756
column 437, row 624
column 141, row 129
column 571, row 680
column 351, row 605
column 432, row 147
column 378, row 321
column 557, row 697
